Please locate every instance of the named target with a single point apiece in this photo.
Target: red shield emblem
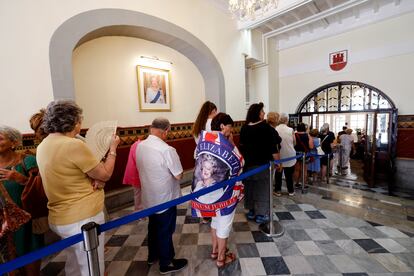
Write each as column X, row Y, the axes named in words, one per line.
column 338, row 60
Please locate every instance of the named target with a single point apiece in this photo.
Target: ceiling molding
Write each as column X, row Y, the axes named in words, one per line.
column 348, row 24
column 319, row 16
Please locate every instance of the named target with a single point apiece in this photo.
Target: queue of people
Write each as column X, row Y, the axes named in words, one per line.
column 73, row 179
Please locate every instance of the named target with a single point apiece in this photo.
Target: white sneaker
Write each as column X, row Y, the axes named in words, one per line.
column 292, row 194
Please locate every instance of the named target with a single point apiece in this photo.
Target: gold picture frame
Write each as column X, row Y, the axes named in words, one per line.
column 154, row 89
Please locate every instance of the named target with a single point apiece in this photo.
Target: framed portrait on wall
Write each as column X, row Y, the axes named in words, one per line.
column 154, row 89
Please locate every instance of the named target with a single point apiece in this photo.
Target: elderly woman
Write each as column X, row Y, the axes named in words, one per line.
column 287, row 150
column 14, row 172
column 347, row 143
column 259, row 145
column 154, row 93
column 68, row 168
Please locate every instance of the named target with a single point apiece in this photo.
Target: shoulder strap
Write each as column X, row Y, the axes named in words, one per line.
column 324, row 139
column 300, row 141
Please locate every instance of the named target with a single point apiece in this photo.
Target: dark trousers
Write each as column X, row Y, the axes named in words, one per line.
column 256, row 189
column 288, row 177
column 160, row 231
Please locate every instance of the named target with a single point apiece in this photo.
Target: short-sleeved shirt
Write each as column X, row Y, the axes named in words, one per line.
column 131, row 174
column 327, row 141
column 258, row 142
column 158, row 164
column 287, row 147
column 63, row 163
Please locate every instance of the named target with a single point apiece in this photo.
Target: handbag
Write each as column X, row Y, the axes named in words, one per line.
column 11, row 216
column 319, row 148
column 34, row 201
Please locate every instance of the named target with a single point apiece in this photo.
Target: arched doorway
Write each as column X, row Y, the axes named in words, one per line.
column 379, row 113
column 117, row 22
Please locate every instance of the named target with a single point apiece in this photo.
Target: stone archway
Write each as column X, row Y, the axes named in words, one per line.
column 117, row 22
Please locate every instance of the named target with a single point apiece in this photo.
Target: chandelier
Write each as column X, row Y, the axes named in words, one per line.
column 248, row 9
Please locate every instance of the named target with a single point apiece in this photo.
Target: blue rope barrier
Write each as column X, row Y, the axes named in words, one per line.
column 144, row 213
column 62, row 244
column 38, row 254
column 317, row 155
column 287, row 159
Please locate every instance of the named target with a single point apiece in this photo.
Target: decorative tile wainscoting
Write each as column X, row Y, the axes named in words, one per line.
column 405, row 152
column 405, row 138
column 179, row 137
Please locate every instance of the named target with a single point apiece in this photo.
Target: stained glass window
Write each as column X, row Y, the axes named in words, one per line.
column 357, row 98
column 374, row 100
column 367, row 95
column 321, row 101
column 333, row 98
column 345, row 96
column 383, row 103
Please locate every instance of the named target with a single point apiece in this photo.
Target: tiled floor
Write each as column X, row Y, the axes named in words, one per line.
column 353, row 177
column 316, row 242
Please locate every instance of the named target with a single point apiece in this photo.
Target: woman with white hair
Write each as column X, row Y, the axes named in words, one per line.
column 327, row 144
column 287, row 150
column 15, row 169
column 154, row 93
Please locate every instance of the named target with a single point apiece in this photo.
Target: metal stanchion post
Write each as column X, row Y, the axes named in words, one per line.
column 303, row 172
column 271, row 228
column 91, row 243
column 328, row 168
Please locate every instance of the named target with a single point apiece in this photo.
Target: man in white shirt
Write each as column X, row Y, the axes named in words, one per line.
column 160, row 171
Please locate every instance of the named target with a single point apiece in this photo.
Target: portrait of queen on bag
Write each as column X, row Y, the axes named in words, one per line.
column 217, row 159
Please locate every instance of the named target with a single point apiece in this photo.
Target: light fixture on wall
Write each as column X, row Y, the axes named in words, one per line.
column 153, row 61
column 248, row 9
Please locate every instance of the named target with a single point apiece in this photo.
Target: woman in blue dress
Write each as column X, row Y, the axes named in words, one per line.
column 314, row 167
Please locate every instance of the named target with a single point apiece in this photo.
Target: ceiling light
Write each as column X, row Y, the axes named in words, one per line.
column 249, row 9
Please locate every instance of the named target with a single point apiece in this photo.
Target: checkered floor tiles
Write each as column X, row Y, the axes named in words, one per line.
column 316, row 242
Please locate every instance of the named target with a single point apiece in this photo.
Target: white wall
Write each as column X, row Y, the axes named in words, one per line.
column 260, row 86
column 105, row 76
column 27, row 26
column 380, row 54
column 264, row 85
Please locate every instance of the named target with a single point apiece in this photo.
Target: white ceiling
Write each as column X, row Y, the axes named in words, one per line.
column 295, row 22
